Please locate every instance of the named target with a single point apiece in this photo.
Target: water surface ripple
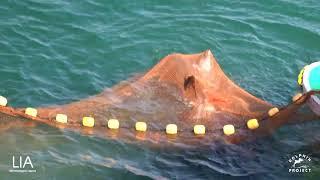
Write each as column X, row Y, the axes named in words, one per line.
column 55, row 51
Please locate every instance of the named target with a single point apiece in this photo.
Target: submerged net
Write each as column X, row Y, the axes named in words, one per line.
column 181, row 89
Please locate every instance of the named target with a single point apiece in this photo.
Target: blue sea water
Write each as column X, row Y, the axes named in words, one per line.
column 55, row 52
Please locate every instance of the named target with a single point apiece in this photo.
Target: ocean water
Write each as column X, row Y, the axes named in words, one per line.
column 55, row 52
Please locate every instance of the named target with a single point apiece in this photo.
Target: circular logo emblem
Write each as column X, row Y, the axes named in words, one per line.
column 299, row 163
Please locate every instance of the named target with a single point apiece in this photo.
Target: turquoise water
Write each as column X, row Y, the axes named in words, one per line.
column 55, row 52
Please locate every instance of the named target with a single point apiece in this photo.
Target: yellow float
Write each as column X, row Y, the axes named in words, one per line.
column 141, row 126
column 61, row 118
column 253, row 124
column 228, row 129
column 31, row 112
column 113, row 124
column 273, row 111
column 171, row 129
column 3, row 101
column 88, row 121
column 199, row 129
